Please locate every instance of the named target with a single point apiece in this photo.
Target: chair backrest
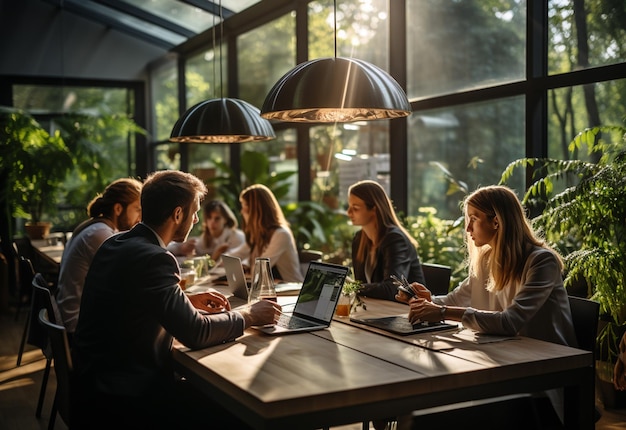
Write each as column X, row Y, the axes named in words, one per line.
column 40, row 261
column 42, row 298
column 585, row 316
column 437, row 277
column 63, row 366
column 26, row 274
column 306, row 256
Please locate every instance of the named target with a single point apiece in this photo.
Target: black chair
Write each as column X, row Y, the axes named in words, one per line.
column 585, row 316
column 41, row 262
column 25, row 293
column 26, row 272
column 437, row 278
column 63, row 368
column 306, row 256
column 35, row 334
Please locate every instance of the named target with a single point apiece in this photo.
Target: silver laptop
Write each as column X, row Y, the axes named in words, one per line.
column 316, row 302
column 235, row 276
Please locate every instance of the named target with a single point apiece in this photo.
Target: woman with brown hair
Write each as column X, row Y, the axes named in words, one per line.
column 220, row 233
column 382, row 248
column 268, row 233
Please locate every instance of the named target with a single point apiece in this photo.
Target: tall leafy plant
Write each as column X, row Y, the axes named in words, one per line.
column 34, row 165
column 586, row 218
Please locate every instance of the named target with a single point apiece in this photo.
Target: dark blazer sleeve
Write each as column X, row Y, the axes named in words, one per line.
column 397, row 256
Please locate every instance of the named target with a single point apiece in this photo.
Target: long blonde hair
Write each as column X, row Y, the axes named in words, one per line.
column 374, row 196
column 265, row 216
column 514, row 237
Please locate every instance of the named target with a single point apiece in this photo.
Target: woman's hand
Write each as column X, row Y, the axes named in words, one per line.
column 212, row 302
column 418, row 289
column 421, row 309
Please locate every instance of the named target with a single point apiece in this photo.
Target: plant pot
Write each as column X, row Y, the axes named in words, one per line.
column 37, row 230
column 610, row 397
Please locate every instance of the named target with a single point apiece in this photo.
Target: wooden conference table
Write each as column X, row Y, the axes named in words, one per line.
column 347, row 374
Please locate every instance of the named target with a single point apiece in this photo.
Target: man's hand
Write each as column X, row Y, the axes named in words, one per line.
column 263, row 312
column 212, row 302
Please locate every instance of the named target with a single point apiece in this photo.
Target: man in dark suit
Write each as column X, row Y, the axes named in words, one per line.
column 132, row 308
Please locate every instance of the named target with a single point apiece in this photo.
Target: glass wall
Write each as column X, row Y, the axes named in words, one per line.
column 454, row 150
column 264, row 55
column 597, row 40
column 460, row 45
column 484, row 91
column 342, row 154
column 94, row 124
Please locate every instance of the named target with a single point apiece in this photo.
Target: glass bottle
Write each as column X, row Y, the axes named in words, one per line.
column 262, row 281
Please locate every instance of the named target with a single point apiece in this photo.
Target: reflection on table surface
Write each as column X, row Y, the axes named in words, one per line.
column 347, row 374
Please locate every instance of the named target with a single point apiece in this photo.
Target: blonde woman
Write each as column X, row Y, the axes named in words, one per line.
column 515, row 283
column 268, row 233
column 382, row 247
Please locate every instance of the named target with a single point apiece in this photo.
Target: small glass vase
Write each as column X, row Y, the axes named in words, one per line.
column 344, row 305
column 262, row 287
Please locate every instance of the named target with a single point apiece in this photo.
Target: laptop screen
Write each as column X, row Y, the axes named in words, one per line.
column 320, row 291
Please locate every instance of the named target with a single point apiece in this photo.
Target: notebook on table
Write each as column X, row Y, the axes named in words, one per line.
column 401, row 325
column 316, row 301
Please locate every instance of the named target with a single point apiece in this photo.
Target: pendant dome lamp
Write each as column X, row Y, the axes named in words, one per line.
column 222, row 120
column 335, row 89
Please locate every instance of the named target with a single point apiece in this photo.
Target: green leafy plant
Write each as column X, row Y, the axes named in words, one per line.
column 34, row 165
column 439, row 241
column 316, row 226
column 585, row 219
column 255, row 169
column 350, row 288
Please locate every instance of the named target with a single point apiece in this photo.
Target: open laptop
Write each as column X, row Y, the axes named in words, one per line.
column 316, row 302
column 401, row 325
column 238, row 284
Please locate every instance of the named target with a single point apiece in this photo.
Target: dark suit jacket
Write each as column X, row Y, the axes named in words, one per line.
column 131, row 309
column 395, row 256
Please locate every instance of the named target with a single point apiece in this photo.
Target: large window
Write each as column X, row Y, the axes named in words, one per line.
column 460, row 45
column 345, row 153
column 489, row 82
column 454, row 150
column 94, row 122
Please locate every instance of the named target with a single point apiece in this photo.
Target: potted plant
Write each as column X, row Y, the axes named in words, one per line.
column 34, row 165
column 586, row 221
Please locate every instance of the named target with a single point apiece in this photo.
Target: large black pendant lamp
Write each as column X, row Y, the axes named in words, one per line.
column 335, row 89
column 222, row 120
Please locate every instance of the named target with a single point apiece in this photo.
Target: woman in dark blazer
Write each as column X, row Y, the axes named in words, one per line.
column 382, row 247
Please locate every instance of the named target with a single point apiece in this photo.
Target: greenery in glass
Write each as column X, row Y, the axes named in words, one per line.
column 34, row 165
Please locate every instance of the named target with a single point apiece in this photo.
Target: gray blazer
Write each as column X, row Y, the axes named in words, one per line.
column 537, row 307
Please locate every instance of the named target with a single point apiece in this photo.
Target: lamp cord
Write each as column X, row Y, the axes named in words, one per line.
column 335, row 18
column 221, row 43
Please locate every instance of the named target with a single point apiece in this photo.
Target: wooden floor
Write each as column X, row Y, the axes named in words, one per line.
column 19, row 386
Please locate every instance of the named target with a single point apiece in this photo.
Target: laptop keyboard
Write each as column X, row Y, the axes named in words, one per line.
column 290, row 321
